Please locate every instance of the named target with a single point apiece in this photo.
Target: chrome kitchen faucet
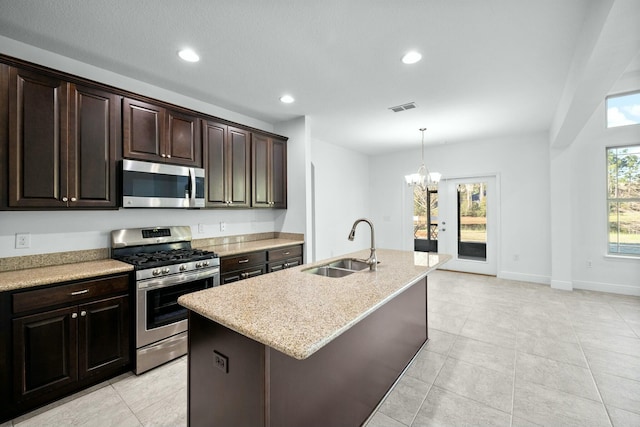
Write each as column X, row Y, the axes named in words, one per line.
column 372, row 260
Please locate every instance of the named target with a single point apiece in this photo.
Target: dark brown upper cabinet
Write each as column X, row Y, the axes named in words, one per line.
column 157, row 134
column 227, row 163
column 63, row 142
column 269, row 167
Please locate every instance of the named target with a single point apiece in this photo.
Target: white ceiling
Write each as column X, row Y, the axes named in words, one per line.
column 489, row 68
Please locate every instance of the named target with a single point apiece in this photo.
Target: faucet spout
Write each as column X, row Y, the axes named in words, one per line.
column 372, row 260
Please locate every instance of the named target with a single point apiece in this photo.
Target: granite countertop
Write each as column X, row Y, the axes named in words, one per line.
column 21, row 279
column 297, row 313
column 251, row 246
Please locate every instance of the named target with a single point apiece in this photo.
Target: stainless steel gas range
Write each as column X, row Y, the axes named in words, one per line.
column 166, row 267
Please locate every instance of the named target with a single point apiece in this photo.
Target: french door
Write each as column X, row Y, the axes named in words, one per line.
column 468, row 223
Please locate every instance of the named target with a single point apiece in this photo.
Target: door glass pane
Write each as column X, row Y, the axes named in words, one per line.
column 472, row 221
column 425, row 219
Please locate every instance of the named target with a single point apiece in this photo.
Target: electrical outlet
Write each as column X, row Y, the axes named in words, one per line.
column 223, row 225
column 589, row 264
column 516, row 257
column 23, row 240
column 200, row 228
column 221, row 362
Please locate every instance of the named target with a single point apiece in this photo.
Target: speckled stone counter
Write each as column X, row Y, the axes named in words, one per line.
column 20, row 279
column 252, row 246
column 297, row 313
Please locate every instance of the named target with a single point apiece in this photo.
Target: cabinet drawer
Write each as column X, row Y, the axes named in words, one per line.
column 71, row 293
column 235, row 276
column 284, row 253
column 242, row 261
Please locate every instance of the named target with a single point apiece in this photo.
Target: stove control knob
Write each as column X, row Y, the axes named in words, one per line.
column 166, row 270
column 206, row 263
column 183, row 267
column 156, row 272
column 198, row 265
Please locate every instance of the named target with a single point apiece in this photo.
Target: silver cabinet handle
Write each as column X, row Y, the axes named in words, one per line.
column 243, row 261
column 73, row 199
column 83, row 313
column 64, row 199
column 163, row 155
column 74, row 315
column 84, row 291
column 168, row 156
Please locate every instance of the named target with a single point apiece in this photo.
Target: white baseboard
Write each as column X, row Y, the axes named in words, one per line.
column 607, row 287
column 522, row 277
column 562, row 285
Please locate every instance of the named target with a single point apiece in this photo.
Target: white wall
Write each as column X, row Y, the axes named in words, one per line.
column 341, row 195
column 522, row 164
column 57, row 231
column 589, row 207
column 297, row 217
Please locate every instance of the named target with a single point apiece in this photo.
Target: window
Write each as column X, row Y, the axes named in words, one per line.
column 623, row 110
column 623, row 199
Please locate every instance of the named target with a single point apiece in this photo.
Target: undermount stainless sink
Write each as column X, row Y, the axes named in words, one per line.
column 327, row 271
column 350, row 264
column 339, row 268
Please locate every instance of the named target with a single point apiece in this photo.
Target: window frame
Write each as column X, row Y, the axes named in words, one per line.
column 609, row 200
column 606, row 109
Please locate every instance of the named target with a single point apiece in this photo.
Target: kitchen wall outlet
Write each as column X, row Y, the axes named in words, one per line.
column 221, row 361
column 589, row 264
column 516, row 257
column 200, row 228
column 223, row 226
column 23, row 240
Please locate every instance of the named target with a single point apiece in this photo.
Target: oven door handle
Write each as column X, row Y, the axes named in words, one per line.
column 163, row 282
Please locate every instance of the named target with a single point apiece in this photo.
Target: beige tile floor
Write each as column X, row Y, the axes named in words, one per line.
column 501, row 353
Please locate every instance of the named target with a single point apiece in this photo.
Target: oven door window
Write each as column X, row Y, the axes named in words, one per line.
column 162, row 303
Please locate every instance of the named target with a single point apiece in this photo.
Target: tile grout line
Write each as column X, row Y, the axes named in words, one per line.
column 435, row 377
column 593, row 379
column 515, row 366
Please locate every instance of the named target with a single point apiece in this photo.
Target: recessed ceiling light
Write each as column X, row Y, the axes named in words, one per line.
column 287, row 99
column 411, row 57
column 188, row 55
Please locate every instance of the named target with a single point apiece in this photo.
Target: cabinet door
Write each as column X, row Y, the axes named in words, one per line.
column 103, row 338
column 37, row 140
column 269, row 167
column 260, row 168
column 183, row 145
column 239, row 161
column 45, row 352
column 143, row 126
column 214, row 139
column 94, row 123
column 278, row 174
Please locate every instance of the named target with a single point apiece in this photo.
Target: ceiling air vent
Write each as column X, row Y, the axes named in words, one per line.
column 403, row 107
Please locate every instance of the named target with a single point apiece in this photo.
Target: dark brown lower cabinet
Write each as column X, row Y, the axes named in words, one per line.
column 65, row 338
column 45, row 358
column 251, row 264
column 59, row 347
column 339, row 385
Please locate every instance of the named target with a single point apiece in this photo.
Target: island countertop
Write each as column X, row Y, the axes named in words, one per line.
column 297, row 313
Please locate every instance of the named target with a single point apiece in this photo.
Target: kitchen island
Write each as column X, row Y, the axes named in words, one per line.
column 294, row 348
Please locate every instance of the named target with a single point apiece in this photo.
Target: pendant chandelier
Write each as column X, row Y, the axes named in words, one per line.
column 423, row 177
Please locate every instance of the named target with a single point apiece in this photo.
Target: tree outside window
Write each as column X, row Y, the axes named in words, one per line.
column 623, row 198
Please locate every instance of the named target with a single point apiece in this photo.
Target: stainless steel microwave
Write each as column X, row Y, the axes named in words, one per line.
column 157, row 185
